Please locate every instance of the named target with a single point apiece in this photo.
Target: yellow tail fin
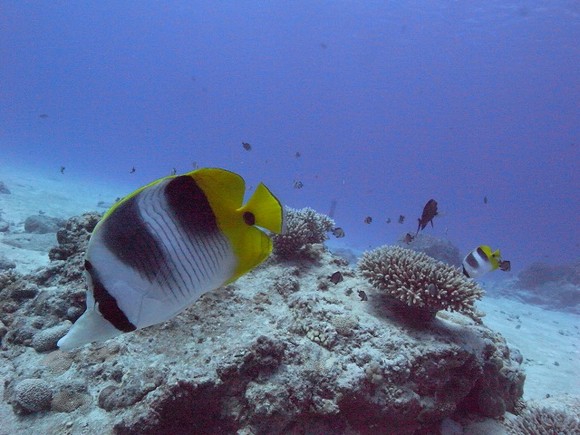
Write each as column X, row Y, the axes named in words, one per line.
column 267, row 210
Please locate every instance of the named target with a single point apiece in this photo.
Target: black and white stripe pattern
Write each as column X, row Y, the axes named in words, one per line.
column 164, row 249
column 194, row 248
column 476, row 264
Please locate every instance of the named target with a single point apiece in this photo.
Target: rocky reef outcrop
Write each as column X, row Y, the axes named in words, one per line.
column 288, row 348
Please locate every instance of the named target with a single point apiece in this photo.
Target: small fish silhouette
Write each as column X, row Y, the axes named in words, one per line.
column 336, row 277
column 338, row 232
column 429, row 212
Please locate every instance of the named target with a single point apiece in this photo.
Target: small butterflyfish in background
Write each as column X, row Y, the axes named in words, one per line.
column 482, row 260
column 159, row 249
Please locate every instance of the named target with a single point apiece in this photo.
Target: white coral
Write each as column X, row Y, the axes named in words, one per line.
column 419, row 281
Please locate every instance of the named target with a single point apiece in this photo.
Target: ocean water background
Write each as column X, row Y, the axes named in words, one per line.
column 388, row 104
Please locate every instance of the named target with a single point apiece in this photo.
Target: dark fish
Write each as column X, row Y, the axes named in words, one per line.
column 368, row 220
column 132, row 171
column 429, row 212
column 247, row 146
column 408, row 238
column 485, row 199
column 505, row 265
column 62, row 168
column 401, row 219
column 362, row 295
column 388, row 220
column 195, row 165
column 173, row 171
column 338, row 232
column 297, row 155
column 298, row 184
column 323, row 45
column 43, row 116
column 336, row 277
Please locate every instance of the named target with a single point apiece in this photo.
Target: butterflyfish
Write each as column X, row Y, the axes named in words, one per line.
column 483, row 260
column 158, row 250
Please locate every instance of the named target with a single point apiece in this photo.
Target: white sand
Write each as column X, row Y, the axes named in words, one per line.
column 57, row 195
column 548, row 340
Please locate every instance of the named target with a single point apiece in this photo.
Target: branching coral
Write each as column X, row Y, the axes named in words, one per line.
column 543, row 421
column 423, row 284
column 304, row 228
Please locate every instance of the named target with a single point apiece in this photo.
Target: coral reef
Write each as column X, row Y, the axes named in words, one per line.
column 537, row 420
column 283, row 349
column 304, row 228
column 42, row 224
column 421, row 284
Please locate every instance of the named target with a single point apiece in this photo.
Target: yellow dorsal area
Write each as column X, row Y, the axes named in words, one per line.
column 224, row 189
column 493, row 257
column 225, row 192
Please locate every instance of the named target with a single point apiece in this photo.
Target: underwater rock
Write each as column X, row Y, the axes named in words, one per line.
column 46, row 339
column 435, row 247
column 68, row 399
column 272, row 353
column 114, row 396
column 42, row 224
column 4, row 226
column 30, row 241
column 73, row 238
column 33, row 395
column 555, row 287
column 6, row 264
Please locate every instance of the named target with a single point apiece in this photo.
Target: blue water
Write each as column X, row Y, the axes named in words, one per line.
column 388, row 103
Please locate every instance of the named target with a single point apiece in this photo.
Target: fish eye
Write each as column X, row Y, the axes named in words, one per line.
column 249, row 218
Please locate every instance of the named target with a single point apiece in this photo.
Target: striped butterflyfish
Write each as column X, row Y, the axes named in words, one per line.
column 482, row 260
column 159, row 249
